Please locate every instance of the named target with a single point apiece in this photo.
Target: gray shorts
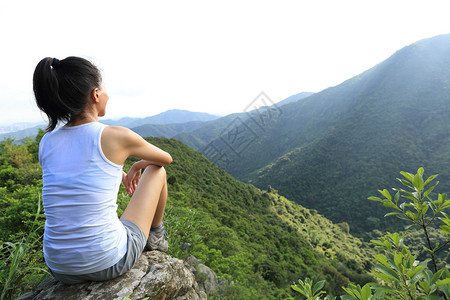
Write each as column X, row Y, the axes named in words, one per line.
column 135, row 245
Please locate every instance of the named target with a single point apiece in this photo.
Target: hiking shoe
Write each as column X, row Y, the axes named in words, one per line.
column 156, row 239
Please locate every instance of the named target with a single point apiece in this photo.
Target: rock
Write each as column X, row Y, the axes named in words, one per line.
column 155, row 275
column 206, row 278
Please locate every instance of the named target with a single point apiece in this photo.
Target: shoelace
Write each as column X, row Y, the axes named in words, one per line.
column 166, row 235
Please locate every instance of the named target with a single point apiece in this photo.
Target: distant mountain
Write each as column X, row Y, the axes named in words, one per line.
column 18, row 126
column 172, row 117
column 166, row 130
column 168, row 117
column 209, row 131
column 23, row 133
column 333, row 149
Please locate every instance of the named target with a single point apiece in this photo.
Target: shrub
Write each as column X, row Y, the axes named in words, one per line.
column 400, row 275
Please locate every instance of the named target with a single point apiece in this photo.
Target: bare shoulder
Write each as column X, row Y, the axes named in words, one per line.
column 115, row 143
column 119, row 142
column 122, row 136
column 116, row 130
column 118, row 134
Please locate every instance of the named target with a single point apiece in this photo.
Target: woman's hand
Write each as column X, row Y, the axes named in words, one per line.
column 131, row 180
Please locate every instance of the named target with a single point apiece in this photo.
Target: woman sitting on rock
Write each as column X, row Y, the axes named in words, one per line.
column 82, row 165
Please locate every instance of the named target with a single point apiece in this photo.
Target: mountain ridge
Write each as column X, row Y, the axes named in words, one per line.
column 335, row 148
column 173, row 116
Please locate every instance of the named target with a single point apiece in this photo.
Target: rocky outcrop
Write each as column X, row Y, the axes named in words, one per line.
column 155, row 275
column 206, row 278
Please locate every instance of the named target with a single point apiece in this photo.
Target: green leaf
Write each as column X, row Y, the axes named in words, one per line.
column 408, row 176
column 428, row 275
column 432, row 206
column 383, row 288
column 445, row 229
column 424, row 209
column 388, row 272
column 318, row 286
column 406, row 183
column 420, row 171
column 418, row 182
column 436, row 246
column 375, row 199
column 396, row 238
column 425, row 287
column 412, row 215
column 381, row 258
column 416, row 275
column 299, row 289
column 427, row 192
column 413, row 199
column 377, row 242
column 446, row 218
column 403, row 217
column 391, row 214
column 437, row 275
column 396, row 197
column 398, row 261
column 405, row 191
column 386, row 194
column 366, row 292
column 431, row 178
column 443, row 282
column 446, row 203
column 389, row 203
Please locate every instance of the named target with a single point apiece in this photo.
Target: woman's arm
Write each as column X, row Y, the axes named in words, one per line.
column 119, row 143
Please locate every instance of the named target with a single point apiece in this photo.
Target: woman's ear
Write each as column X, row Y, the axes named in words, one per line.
column 95, row 95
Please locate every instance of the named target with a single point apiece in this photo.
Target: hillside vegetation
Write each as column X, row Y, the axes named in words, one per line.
column 258, row 238
column 332, row 150
column 257, row 241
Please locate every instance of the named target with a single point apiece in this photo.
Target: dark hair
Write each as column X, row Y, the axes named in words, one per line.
column 62, row 87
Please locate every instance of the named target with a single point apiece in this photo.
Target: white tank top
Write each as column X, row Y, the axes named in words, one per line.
column 82, row 231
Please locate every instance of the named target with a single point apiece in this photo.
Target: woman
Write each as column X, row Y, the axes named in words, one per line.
column 82, row 165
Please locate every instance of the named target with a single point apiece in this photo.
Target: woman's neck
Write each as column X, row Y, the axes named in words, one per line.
column 83, row 119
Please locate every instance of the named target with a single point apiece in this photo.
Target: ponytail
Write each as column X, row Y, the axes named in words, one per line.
column 62, row 88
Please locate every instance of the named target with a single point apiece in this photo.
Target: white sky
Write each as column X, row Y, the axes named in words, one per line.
column 210, row 56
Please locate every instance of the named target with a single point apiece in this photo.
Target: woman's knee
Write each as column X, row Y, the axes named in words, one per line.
column 154, row 170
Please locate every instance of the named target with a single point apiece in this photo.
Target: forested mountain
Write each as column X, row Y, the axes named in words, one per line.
column 256, row 241
column 258, row 237
column 181, row 122
column 199, row 138
column 333, row 149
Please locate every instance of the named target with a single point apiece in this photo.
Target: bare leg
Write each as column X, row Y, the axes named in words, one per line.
column 157, row 220
column 146, row 206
